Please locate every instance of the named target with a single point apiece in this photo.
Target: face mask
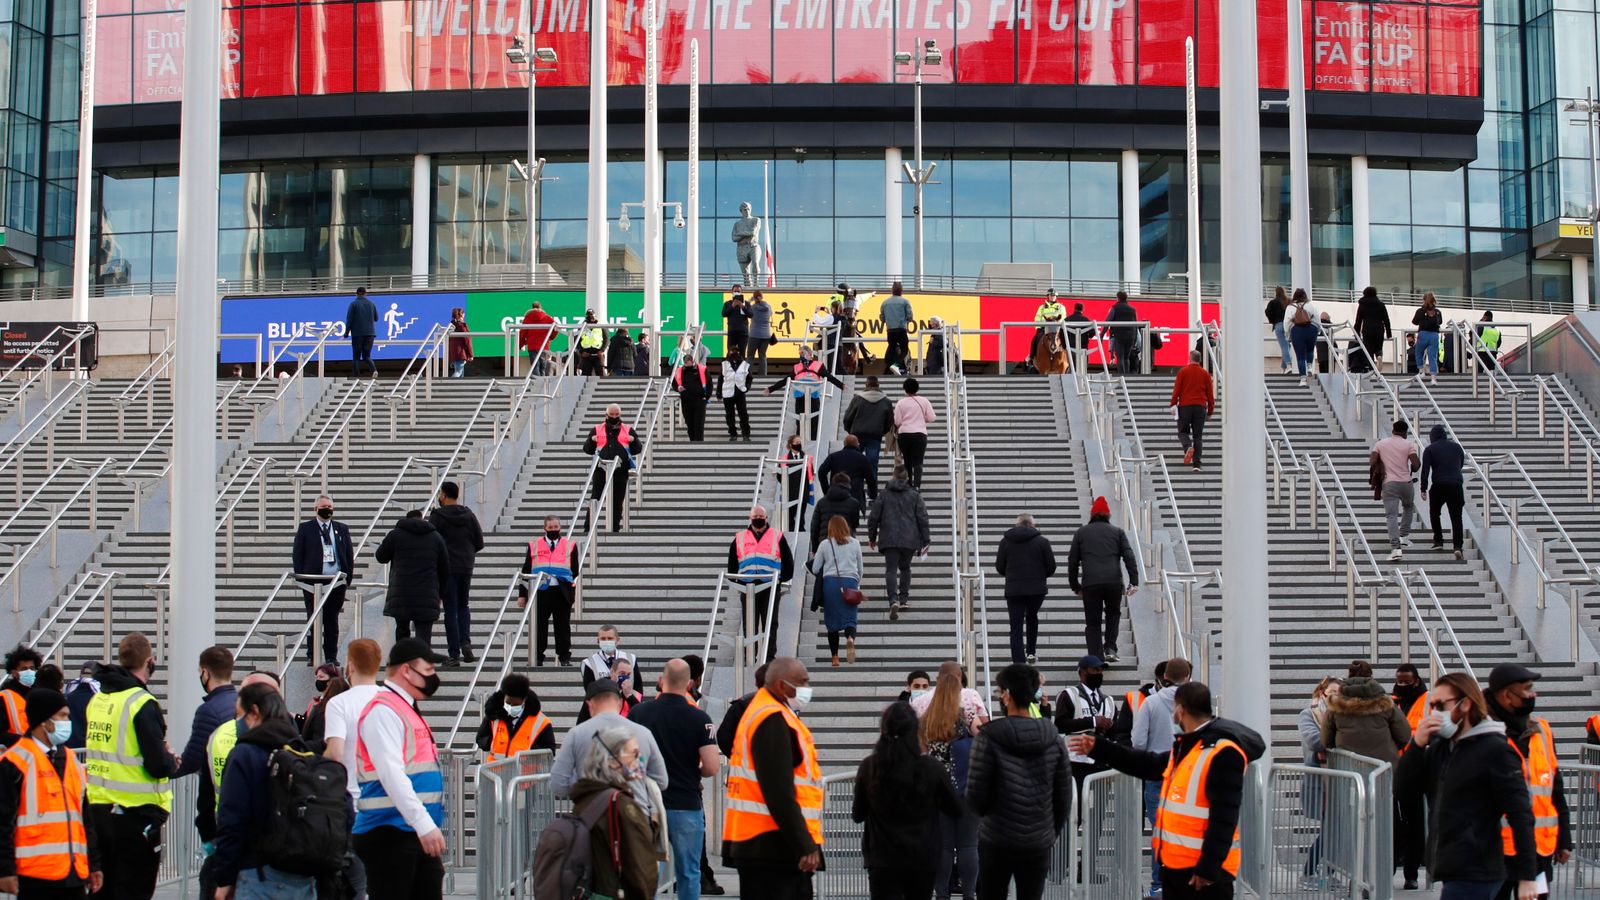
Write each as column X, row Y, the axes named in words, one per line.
column 609, row 648
column 1038, row 695
column 243, row 726
column 514, row 712
column 321, row 686
column 802, row 696
column 1448, row 726
column 1528, row 706
column 203, row 688
column 1177, row 730
column 26, row 676
column 60, row 732
column 920, row 693
column 554, row 535
column 1093, row 682
column 430, row 683
column 758, row 524
column 325, row 512
column 634, row 772
column 613, row 420
column 794, row 448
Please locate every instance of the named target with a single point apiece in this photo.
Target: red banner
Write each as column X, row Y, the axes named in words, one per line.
column 1161, row 314
column 281, row 48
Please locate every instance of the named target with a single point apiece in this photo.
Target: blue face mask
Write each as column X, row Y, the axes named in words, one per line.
column 27, row 676
column 60, row 732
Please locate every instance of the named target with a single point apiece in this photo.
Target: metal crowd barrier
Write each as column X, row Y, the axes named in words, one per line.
column 1580, row 877
column 1112, row 845
column 845, row 876
column 515, row 802
column 1378, row 782
column 1319, row 836
column 182, row 854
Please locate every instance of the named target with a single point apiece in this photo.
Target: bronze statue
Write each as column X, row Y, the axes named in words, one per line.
column 747, row 240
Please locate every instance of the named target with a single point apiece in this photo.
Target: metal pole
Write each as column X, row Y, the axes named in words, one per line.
column 920, row 176
column 1592, row 125
column 1299, row 165
column 194, row 382
column 532, row 185
column 81, row 260
column 1246, row 677
column 691, row 253
column 599, row 224
column 652, row 175
column 1193, row 188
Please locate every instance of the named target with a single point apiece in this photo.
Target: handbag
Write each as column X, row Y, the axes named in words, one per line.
column 853, row 596
column 772, row 341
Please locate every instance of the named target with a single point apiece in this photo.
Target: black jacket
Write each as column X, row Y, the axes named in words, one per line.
column 785, row 559
column 462, row 534
column 494, row 710
column 149, row 730
column 420, row 563
column 308, row 548
column 1123, row 311
column 852, row 462
column 11, row 799
column 838, row 501
column 694, row 386
column 1026, row 561
column 1019, row 783
column 1470, row 783
column 1442, row 460
column 730, row 723
column 619, row 353
column 870, row 414
column 1372, row 319
column 613, row 449
column 245, row 812
column 899, row 519
column 901, row 814
column 1098, row 549
column 774, row 753
column 1224, row 782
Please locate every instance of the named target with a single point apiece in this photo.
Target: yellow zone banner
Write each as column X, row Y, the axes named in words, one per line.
column 792, row 312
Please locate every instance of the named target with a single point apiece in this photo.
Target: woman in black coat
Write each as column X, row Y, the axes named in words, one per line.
column 1372, row 324
column 899, row 792
column 1460, row 760
column 419, row 565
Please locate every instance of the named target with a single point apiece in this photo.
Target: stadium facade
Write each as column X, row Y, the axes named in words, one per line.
column 374, row 138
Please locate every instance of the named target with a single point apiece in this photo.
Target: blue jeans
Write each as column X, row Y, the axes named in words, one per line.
column 1469, row 890
column 1427, row 351
column 267, row 883
column 458, row 368
column 1152, row 799
column 1280, row 331
column 457, row 613
column 686, row 831
column 873, row 448
column 1305, row 346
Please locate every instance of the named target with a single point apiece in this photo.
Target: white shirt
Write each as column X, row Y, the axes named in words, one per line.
column 340, row 722
column 384, row 733
column 1087, row 703
column 735, row 380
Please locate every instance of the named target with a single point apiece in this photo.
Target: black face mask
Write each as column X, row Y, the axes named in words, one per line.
column 758, row 524
column 613, row 421
column 430, row 683
column 1529, row 704
column 1093, row 682
column 553, row 535
column 325, row 512
column 321, row 686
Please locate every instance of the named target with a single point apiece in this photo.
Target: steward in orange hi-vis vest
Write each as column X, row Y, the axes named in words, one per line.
column 772, row 827
column 45, row 833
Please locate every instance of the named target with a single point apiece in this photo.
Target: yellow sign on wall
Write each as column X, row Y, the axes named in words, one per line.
column 792, row 312
column 1571, row 229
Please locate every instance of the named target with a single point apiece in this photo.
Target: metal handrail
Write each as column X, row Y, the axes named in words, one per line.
column 966, row 567
column 143, row 384
column 323, row 585
column 107, row 587
column 20, row 554
column 150, row 446
column 281, row 385
column 1566, row 405
column 256, row 479
column 534, row 583
column 15, row 452
column 339, row 420
column 1402, row 578
column 1469, row 345
column 525, row 393
column 47, row 363
column 420, row 366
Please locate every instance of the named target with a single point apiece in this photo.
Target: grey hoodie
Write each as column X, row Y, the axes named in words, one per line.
column 1152, row 724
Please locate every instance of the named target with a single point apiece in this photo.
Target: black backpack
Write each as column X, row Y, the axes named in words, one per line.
column 561, row 860
column 311, row 815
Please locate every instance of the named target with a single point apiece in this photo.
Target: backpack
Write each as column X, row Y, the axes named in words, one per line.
column 561, row 860
column 1301, row 317
column 311, row 815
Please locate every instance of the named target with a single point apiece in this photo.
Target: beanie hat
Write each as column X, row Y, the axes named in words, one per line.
column 42, row 703
column 1100, row 508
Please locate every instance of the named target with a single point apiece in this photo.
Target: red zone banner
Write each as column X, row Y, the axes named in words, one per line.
column 1161, row 314
column 310, row 48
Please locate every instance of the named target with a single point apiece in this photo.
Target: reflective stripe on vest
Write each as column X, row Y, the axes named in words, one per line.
column 747, row 816
column 374, row 807
column 1185, row 810
column 624, row 436
column 50, row 839
column 1134, row 700
column 16, row 711
column 218, row 746
column 759, row 555
column 677, row 376
column 112, row 757
column 505, row 744
column 1539, row 771
column 807, row 378
column 555, row 563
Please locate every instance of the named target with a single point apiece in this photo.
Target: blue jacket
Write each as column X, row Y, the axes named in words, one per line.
column 245, row 812
column 895, row 312
column 218, row 707
column 361, row 318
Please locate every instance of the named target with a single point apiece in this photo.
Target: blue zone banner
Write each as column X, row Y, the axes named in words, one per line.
column 403, row 320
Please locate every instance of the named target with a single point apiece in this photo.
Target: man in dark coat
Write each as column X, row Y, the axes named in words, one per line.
column 1020, row 786
column 607, row 442
column 1026, row 561
column 322, row 548
column 361, row 326
column 898, row 526
column 852, row 461
column 1099, row 550
column 1124, row 338
column 463, row 536
column 419, row 568
column 838, row 501
column 216, row 676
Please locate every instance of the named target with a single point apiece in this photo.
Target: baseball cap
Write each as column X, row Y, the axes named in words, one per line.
column 601, row 686
column 1091, row 662
column 407, row 649
column 1507, row 674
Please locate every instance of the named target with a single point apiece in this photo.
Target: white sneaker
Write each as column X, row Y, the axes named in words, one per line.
column 1303, row 380
column 1395, row 554
column 1405, row 541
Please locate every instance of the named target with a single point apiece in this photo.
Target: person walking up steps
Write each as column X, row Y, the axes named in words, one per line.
column 1100, row 550
column 1442, row 461
column 838, row 564
column 912, row 416
column 1398, row 459
column 1193, row 396
column 1026, row 561
column 898, row 526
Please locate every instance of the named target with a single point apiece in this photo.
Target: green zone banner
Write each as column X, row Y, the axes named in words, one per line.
column 494, row 310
